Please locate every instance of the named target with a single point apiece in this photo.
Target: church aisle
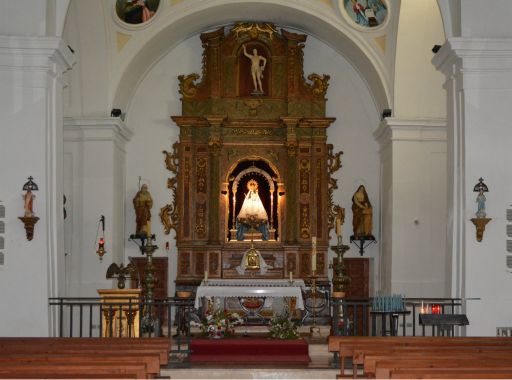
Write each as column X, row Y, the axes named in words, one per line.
column 250, row 373
column 318, row 368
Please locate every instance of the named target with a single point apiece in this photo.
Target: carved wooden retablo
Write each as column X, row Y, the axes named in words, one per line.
column 252, row 162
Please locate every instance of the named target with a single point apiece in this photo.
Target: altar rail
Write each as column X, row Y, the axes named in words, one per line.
column 357, row 319
column 85, row 317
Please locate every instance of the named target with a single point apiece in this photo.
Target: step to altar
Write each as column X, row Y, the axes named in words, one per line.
column 251, row 373
column 249, row 350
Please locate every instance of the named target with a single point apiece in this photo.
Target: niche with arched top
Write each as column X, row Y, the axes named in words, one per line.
column 245, row 80
column 265, row 177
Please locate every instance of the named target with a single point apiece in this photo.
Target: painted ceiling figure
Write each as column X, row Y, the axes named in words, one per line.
column 252, row 215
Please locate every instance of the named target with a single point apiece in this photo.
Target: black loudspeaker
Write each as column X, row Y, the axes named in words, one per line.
column 116, row 112
column 386, row 113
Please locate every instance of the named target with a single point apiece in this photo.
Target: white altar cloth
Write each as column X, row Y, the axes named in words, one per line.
column 251, row 288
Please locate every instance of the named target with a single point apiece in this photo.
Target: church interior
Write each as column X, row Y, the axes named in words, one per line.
column 258, row 157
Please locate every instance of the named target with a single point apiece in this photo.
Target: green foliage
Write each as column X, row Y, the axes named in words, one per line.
column 220, row 323
column 282, row 327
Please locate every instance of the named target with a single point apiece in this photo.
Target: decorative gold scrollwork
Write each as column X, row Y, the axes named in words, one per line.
column 333, row 165
column 254, row 29
column 333, row 160
column 169, row 213
column 187, row 86
column 320, row 84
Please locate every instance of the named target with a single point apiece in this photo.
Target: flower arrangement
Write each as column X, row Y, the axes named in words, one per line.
column 282, row 327
column 220, row 323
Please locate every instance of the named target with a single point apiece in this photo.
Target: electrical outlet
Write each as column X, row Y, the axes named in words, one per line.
column 504, row 331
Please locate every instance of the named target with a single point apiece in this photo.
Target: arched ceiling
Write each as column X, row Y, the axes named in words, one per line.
column 194, row 17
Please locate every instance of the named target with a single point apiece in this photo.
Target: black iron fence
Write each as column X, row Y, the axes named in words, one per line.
column 356, row 317
column 125, row 317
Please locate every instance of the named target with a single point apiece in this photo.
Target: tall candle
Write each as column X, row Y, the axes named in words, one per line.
column 339, row 229
column 313, row 253
column 205, row 275
column 291, row 276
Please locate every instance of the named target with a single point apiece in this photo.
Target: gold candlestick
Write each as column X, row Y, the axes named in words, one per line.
column 340, row 280
column 314, row 331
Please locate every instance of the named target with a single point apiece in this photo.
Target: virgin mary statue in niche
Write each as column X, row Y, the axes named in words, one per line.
column 252, row 220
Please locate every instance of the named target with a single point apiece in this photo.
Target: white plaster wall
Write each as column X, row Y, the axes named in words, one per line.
column 86, row 32
column 95, row 179
column 419, row 218
column 30, row 135
column 485, row 18
column 414, row 207
column 418, row 85
column 23, row 278
column 488, row 134
column 386, row 199
column 157, row 98
column 23, row 18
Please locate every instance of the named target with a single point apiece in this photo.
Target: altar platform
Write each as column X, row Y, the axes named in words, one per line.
column 249, row 350
column 319, row 367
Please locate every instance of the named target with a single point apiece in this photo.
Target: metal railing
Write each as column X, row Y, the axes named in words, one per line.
column 355, row 317
column 126, row 317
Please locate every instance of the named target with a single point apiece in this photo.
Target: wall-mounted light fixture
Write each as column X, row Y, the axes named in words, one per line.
column 101, row 241
column 29, row 218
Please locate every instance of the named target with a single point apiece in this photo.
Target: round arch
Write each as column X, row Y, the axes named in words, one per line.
column 200, row 16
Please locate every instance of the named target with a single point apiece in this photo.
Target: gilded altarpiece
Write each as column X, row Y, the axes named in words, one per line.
column 232, row 138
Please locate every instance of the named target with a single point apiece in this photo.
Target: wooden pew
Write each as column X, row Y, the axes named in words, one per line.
column 451, row 373
column 92, row 346
column 369, row 358
column 347, row 346
column 78, row 370
column 384, row 368
column 83, row 357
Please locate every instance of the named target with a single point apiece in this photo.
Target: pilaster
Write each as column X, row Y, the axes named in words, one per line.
column 94, row 181
column 413, row 181
column 479, row 84
column 31, row 85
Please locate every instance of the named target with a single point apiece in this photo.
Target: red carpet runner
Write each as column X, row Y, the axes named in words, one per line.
column 249, row 350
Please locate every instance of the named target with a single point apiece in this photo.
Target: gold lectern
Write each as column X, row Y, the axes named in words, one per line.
column 119, row 314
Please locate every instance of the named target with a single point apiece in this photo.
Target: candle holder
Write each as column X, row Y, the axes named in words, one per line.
column 340, row 280
column 314, row 331
column 147, row 248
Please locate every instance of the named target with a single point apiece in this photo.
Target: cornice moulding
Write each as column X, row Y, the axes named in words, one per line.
column 392, row 129
column 475, row 54
column 96, row 129
column 34, row 53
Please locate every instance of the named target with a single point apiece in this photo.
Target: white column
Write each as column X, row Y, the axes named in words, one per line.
column 413, row 195
column 479, row 85
column 31, row 85
column 94, row 183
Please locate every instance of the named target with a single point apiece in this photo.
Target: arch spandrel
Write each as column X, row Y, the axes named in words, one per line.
column 136, row 60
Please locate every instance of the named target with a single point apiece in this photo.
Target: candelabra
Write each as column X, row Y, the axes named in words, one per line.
column 147, row 248
column 340, row 280
column 314, row 331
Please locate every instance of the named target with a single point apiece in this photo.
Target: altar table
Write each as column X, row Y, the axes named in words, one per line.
column 251, row 288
